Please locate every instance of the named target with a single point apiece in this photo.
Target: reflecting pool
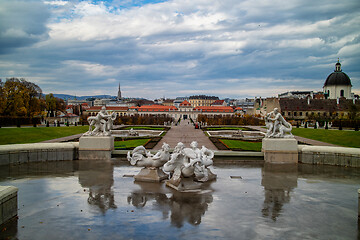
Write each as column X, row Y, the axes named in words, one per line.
column 100, row 200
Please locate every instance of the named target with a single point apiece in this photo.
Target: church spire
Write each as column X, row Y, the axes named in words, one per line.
column 119, row 93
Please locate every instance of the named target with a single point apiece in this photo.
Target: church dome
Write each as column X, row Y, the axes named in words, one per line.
column 338, row 77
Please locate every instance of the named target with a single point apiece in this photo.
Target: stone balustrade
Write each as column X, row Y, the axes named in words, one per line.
column 324, row 155
column 38, row 152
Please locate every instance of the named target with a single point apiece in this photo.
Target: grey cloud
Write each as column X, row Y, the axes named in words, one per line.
column 22, row 23
column 201, row 60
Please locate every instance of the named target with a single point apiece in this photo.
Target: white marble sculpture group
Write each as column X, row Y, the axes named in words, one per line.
column 103, row 123
column 182, row 163
column 277, row 126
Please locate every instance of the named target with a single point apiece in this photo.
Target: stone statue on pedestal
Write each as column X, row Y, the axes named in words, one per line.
column 103, row 123
column 151, row 163
column 277, row 126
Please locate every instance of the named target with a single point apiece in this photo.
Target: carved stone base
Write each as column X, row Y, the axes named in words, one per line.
column 184, row 185
column 151, row 175
column 92, row 147
column 210, row 176
column 280, row 150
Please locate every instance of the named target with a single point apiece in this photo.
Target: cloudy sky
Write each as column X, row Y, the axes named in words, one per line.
column 155, row 48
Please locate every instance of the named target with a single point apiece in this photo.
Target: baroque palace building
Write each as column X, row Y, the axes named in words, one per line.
column 184, row 111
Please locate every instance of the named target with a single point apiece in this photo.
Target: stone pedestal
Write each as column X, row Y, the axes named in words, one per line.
column 280, row 150
column 94, row 147
column 150, row 175
column 8, row 203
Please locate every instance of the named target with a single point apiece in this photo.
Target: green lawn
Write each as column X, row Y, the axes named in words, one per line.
column 144, row 128
column 38, row 134
column 337, row 137
column 130, row 143
column 243, row 145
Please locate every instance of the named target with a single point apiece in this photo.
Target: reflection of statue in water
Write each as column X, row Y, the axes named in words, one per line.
column 189, row 207
column 277, row 126
column 189, row 163
column 151, row 163
column 98, row 178
column 103, row 123
column 183, row 207
column 278, row 182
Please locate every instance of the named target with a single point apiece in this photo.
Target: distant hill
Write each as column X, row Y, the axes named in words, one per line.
column 66, row 96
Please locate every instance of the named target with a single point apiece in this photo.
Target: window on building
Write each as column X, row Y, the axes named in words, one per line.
column 295, row 113
column 301, row 113
column 341, row 93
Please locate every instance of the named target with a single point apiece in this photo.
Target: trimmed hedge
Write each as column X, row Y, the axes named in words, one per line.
column 18, row 121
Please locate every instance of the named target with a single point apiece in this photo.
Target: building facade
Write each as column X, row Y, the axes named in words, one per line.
column 202, row 100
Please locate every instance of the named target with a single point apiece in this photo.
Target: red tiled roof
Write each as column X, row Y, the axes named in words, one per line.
column 328, row 105
column 218, row 102
column 239, row 108
column 98, row 108
column 70, row 115
column 185, row 103
column 156, row 108
column 214, row 109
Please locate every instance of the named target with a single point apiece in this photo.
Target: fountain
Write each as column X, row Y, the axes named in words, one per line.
column 188, row 166
column 136, row 133
column 238, row 134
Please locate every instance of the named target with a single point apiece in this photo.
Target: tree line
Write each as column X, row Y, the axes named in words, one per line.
column 231, row 120
column 22, row 99
column 142, row 120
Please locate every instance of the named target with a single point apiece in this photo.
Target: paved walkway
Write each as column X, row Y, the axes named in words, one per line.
column 185, row 133
column 300, row 139
column 64, row 139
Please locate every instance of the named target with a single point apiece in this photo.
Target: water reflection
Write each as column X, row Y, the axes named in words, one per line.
column 182, row 207
column 278, row 182
column 98, row 178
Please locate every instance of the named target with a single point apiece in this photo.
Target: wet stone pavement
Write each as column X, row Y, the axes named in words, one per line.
column 185, row 132
column 94, row 200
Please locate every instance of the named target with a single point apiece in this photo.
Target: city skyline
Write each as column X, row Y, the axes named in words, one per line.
column 234, row 49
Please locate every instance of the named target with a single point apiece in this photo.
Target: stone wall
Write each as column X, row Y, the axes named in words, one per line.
column 38, row 152
column 8, row 203
column 336, row 156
